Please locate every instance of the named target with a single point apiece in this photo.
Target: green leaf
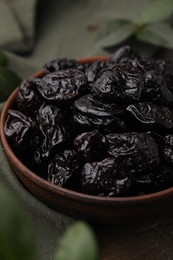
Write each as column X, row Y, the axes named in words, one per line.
column 9, row 80
column 160, row 34
column 114, row 32
column 78, row 243
column 3, row 59
column 156, row 10
column 16, row 238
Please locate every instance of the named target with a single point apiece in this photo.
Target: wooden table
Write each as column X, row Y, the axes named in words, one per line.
column 142, row 240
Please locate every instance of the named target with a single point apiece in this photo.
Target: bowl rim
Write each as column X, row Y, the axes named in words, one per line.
column 75, row 195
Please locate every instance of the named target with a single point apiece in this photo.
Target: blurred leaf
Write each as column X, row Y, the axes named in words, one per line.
column 9, row 80
column 156, row 10
column 16, row 240
column 114, row 32
column 160, row 34
column 3, row 59
column 78, row 243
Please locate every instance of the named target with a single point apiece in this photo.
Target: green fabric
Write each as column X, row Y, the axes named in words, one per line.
column 40, row 31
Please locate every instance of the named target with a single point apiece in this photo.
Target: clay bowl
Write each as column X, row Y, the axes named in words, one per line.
column 82, row 206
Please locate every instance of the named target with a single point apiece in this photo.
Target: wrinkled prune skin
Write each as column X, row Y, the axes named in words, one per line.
column 18, row 128
column 149, row 116
column 62, row 169
column 27, row 97
column 94, row 114
column 92, row 71
column 168, row 149
column 62, row 85
column 89, row 105
column 62, row 64
column 124, row 54
column 50, row 123
column 92, row 145
column 135, row 152
column 104, row 178
column 118, row 86
column 155, row 89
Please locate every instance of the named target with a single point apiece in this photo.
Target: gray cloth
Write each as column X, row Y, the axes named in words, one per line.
column 40, row 31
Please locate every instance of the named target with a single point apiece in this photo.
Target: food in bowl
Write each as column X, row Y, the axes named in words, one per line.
column 103, row 128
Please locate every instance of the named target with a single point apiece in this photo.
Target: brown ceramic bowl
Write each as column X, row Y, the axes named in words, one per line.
column 82, row 206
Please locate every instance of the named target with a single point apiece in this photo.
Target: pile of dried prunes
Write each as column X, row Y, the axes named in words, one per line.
column 103, row 128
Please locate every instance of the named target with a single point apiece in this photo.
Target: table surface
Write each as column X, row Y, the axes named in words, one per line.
column 139, row 240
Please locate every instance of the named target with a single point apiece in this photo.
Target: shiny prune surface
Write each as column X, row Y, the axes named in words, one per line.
column 50, row 123
column 119, row 85
column 62, row 169
column 92, row 145
column 149, row 116
column 62, row 85
column 135, row 152
column 102, row 128
column 104, row 178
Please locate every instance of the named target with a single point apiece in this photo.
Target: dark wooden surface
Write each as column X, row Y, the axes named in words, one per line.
column 140, row 240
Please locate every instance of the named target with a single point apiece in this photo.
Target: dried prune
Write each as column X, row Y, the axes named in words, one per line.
column 92, row 113
column 92, row 145
column 50, row 122
column 118, row 85
column 27, row 97
column 62, row 169
column 134, row 152
column 124, row 54
column 62, row 64
column 168, row 148
column 93, row 70
column 18, row 128
column 149, row 116
column 104, row 178
column 62, row 85
column 155, row 89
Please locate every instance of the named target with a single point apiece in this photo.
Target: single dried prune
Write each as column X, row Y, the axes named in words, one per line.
column 62, row 64
column 50, row 122
column 92, row 145
column 104, row 178
column 134, row 152
column 93, row 70
column 62, row 85
column 62, row 169
column 107, row 86
column 27, row 98
column 118, row 85
column 151, row 117
column 155, row 89
column 124, row 54
column 18, row 128
column 168, row 148
column 94, row 114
